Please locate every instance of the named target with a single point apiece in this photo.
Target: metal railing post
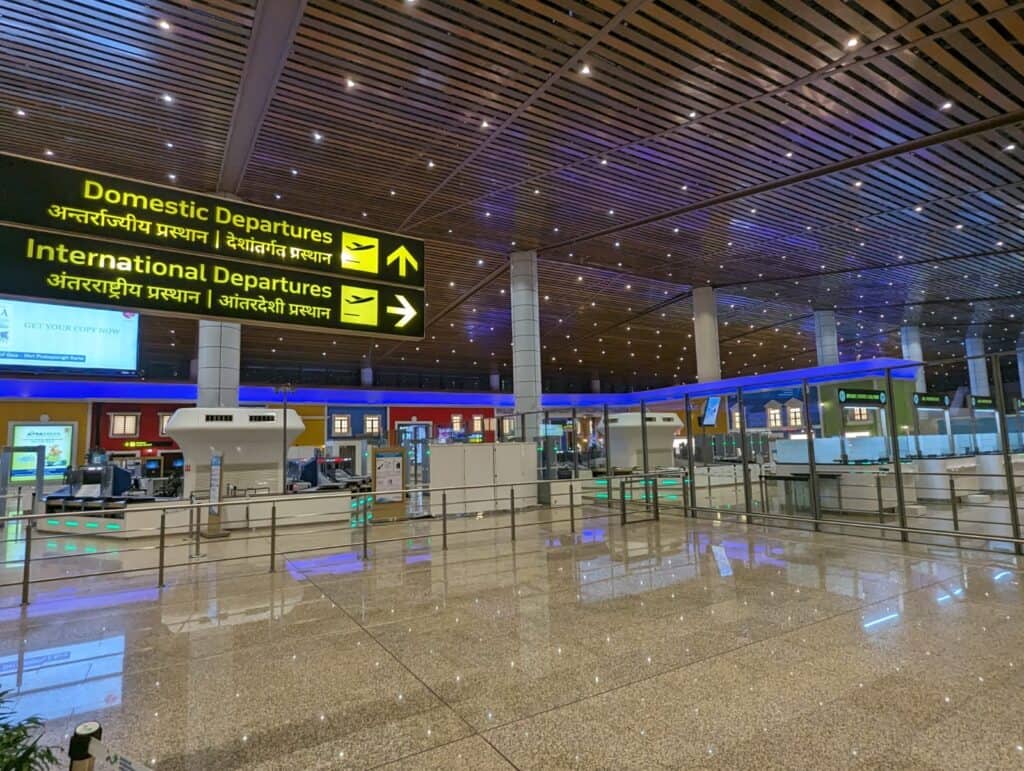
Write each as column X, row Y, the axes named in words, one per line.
column 608, row 454
column 273, row 537
column 878, row 493
column 512, row 509
column 901, row 504
column 622, row 501
column 1004, row 435
column 196, row 541
column 690, row 464
column 163, row 540
column 812, row 463
column 366, row 526
column 654, row 492
column 684, row 494
column 19, row 501
column 572, row 508
column 643, row 445
column 954, row 504
column 444, row 520
column 27, row 562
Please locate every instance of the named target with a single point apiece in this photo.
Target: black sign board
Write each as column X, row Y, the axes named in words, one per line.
column 46, row 195
column 982, row 403
column 922, row 399
column 862, row 397
column 57, row 266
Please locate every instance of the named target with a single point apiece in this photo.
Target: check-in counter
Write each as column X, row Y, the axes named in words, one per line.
column 143, row 519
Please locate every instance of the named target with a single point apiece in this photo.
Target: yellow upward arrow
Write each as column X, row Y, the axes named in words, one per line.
column 404, row 257
column 406, row 311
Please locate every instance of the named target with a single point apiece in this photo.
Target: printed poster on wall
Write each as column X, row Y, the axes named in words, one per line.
column 388, row 476
column 57, row 440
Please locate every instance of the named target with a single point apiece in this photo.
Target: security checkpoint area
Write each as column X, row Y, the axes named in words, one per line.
column 511, row 385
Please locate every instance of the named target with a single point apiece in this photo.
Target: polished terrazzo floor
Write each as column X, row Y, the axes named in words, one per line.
column 677, row 644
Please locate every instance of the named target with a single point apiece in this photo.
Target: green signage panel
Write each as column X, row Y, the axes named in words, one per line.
column 58, row 266
column 47, row 195
column 983, row 403
column 861, row 397
column 923, row 399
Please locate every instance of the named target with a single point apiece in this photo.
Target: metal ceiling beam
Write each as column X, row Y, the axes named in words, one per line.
column 856, row 162
column 273, row 31
column 623, row 15
column 857, row 58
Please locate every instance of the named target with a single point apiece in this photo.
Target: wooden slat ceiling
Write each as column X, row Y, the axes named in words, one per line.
column 864, row 157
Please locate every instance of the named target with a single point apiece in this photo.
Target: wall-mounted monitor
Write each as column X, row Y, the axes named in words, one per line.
column 709, row 417
column 47, row 337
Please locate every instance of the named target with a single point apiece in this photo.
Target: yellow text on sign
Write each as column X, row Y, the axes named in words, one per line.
column 359, row 306
column 360, row 253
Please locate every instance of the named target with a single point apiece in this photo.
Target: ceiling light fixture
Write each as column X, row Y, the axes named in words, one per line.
column 318, row 137
column 167, row 98
column 852, row 42
column 164, row 25
column 585, row 69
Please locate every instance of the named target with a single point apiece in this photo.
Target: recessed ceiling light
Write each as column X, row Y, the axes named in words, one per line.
column 318, row 137
column 1010, row 147
column 789, row 154
column 693, row 114
column 169, row 145
column 277, row 196
column 585, row 69
column 349, row 83
column 858, row 183
column 164, row 25
column 946, row 106
column 20, row 113
column 484, row 124
column 918, row 209
column 430, row 164
column 48, row 153
column 295, row 172
column 167, row 98
column 536, row 191
column 611, row 211
column 852, row 42
column 604, row 161
column 172, row 176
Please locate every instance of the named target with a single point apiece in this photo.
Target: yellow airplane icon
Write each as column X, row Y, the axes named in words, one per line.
column 359, row 306
column 360, row 253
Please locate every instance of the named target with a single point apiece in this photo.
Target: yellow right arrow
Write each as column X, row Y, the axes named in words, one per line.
column 404, row 257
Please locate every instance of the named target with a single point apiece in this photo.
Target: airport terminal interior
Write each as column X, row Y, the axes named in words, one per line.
column 511, row 384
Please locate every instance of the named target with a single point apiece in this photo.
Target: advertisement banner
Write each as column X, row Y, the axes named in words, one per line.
column 42, row 336
column 58, row 444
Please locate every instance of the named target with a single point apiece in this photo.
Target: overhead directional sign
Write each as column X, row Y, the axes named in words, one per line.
column 71, row 268
column 861, row 397
column 46, row 195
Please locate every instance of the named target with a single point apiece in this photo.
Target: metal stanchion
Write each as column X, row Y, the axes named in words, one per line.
column 1004, row 435
column 19, row 501
column 273, row 537
column 512, row 505
column 366, row 525
column 684, row 494
column 27, row 563
column 195, row 541
column 247, row 521
column 444, row 520
column 622, row 500
column 878, row 493
column 163, row 537
column 953, row 503
column 572, row 509
column 654, row 493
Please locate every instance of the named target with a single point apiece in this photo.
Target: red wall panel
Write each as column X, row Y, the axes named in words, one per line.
column 441, row 417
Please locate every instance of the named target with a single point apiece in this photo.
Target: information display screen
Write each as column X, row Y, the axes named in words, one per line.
column 710, row 416
column 58, row 441
column 42, row 336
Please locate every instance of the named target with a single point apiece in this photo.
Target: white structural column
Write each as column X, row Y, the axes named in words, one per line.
column 366, row 375
column 494, row 381
column 910, row 344
column 977, row 367
column 595, row 384
column 526, row 373
column 826, row 337
column 705, row 335
column 217, row 363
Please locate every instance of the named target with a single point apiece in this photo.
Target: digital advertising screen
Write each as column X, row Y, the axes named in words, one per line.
column 35, row 336
column 710, row 416
column 58, row 441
